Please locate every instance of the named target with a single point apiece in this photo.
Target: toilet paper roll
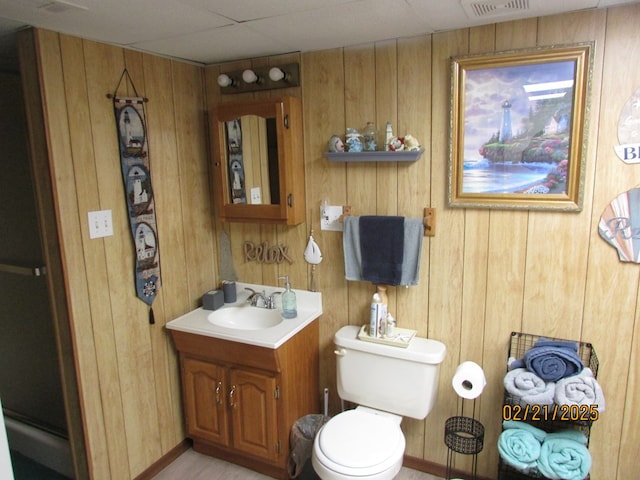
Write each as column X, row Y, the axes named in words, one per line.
column 469, row 380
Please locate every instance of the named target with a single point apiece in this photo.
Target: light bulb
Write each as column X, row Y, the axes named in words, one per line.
column 276, row 74
column 225, row 80
column 249, row 76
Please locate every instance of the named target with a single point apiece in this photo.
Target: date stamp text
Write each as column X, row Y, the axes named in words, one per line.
column 563, row 413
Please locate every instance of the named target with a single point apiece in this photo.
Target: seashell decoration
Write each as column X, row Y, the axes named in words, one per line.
column 619, row 225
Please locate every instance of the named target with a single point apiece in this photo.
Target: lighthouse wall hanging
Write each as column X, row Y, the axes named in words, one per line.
column 518, row 123
column 136, row 177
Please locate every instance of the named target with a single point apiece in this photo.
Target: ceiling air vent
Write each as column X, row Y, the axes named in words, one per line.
column 495, row 8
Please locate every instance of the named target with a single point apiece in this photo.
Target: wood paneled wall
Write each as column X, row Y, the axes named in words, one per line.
column 128, row 370
column 485, row 273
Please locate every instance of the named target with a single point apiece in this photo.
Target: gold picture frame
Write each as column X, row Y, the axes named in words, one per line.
column 518, row 123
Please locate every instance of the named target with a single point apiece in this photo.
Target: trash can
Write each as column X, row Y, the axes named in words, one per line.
column 303, row 433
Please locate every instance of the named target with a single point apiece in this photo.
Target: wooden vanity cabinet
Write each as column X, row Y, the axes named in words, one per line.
column 240, row 401
column 243, row 414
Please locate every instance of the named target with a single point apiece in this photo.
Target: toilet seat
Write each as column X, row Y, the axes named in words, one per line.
column 360, row 444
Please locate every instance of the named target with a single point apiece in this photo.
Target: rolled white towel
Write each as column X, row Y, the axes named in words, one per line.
column 529, row 387
column 580, row 389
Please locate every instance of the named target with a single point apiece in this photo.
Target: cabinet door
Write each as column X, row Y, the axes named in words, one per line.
column 254, row 415
column 205, row 396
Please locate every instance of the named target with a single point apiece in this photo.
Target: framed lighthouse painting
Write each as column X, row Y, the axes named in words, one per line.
column 518, row 123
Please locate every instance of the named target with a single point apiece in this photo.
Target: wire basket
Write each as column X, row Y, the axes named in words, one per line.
column 555, row 417
column 520, row 343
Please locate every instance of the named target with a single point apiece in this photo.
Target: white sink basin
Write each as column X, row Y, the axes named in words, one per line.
column 245, row 318
column 240, row 322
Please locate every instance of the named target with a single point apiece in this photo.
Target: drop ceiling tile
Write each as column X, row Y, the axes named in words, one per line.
column 349, row 24
column 244, row 10
column 116, row 21
column 218, row 45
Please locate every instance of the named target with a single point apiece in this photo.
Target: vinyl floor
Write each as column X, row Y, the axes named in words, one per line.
column 192, row 465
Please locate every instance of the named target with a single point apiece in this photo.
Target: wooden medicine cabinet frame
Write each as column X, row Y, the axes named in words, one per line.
column 290, row 209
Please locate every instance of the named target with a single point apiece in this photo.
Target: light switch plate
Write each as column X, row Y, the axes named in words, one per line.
column 100, row 224
column 256, row 196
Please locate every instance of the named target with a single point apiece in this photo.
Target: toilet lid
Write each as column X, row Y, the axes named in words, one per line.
column 354, row 439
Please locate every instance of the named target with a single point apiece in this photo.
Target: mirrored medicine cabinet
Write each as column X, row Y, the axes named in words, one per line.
column 258, row 162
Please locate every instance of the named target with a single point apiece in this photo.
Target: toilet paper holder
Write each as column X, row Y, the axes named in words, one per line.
column 463, row 435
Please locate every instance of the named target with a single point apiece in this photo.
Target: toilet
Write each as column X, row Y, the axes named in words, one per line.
column 386, row 383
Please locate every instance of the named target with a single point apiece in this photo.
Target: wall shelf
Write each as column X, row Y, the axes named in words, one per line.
column 374, row 156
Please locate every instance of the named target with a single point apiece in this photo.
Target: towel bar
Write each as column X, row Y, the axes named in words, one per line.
column 20, row 270
column 428, row 219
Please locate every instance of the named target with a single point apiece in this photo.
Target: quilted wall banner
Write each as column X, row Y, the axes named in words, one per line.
column 136, row 177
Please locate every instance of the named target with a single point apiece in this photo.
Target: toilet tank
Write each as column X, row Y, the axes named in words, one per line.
column 403, row 381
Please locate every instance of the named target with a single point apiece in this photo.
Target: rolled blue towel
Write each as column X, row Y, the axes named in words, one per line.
column 551, row 360
column 519, row 445
column 529, row 387
column 564, row 456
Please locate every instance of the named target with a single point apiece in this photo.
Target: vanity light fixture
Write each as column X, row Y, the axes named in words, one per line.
column 260, row 78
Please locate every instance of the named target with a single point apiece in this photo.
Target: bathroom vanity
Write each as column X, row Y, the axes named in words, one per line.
column 244, row 387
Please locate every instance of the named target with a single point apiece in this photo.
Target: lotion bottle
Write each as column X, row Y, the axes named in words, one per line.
column 382, row 310
column 289, row 308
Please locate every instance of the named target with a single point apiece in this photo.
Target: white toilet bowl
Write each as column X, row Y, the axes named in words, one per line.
column 359, row 444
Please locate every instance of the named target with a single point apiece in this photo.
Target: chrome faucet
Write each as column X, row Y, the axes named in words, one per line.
column 268, row 301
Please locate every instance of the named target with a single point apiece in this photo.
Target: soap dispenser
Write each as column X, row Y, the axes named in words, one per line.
column 289, row 309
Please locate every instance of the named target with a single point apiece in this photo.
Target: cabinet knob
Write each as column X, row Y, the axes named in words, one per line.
column 232, row 393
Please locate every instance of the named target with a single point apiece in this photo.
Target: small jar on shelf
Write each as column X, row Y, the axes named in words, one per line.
column 369, row 135
column 353, row 140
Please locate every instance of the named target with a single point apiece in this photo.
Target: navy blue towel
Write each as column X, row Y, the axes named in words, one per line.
column 551, row 360
column 382, row 249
